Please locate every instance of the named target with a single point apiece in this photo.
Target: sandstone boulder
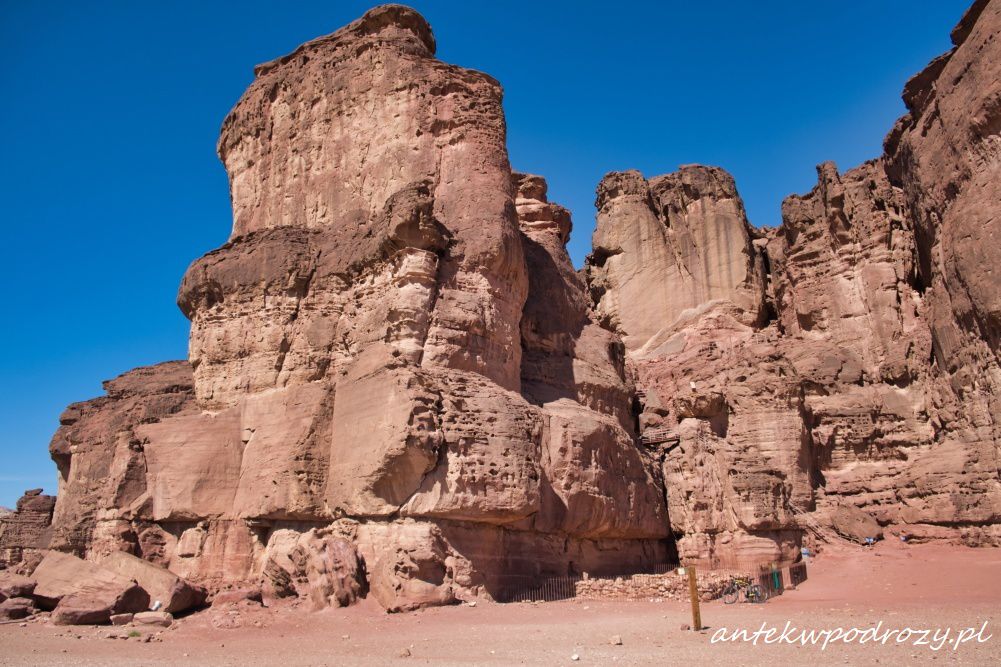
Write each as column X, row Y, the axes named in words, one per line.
column 237, row 595
column 854, row 524
column 409, row 566
column 95, row 604
column 321, row 564
column 16, row 608
column 333, row 570
column 15, row 586
column 82, row 592
column 174, row 593
column 160, row 619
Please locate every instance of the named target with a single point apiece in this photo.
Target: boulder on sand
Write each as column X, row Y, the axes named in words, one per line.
column 13, row 609
column 854, row 524
column 253, row 594
column 159, row 618
column 96, row 604
column 81, row 592
column 175, row 593
column 15, row 586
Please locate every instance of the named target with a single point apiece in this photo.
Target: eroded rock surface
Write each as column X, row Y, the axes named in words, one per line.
column 26, row 531
column 870, row 387
column 687, row 243
column 399, row 386
column 393, row 346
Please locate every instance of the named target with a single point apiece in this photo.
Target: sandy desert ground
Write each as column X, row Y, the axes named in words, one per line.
column 933, row 587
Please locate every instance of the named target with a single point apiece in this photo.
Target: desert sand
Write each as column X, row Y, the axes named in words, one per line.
column 927, row 586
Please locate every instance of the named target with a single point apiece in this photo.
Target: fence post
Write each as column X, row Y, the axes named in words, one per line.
column 693, row 593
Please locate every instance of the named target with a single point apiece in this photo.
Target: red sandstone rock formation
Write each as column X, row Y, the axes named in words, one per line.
column 26, row 531
column 399, row 386
column 392, row 361
column 875, row 386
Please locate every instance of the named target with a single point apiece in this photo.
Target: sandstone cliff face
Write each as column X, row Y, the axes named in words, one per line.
column 399, row 386
column 687, row 243
column 944, row 155
column 393, row 349
column 679, row 272
column 26, row 530
column 875, row 385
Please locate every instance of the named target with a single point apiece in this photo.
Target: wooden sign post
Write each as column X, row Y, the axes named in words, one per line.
column 693, row 593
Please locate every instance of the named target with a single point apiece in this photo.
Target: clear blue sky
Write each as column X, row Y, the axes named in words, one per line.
column 111, row 186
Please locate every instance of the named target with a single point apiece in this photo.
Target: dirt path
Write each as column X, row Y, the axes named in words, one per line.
column 916, row 586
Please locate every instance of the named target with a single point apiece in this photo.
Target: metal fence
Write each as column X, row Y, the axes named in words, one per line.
column 797, row 573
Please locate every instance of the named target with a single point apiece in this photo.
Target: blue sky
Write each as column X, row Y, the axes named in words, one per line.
column 111, row 186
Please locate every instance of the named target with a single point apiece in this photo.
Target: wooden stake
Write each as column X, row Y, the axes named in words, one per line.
column 693, row 593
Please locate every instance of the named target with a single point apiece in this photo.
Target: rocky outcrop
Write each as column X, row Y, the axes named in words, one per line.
column 669, row 245
column 944, row 156
column 101, row 460
column 720, row 407
column 26, row 531
column 869, row 388
column 399, row 387
column 394, row 382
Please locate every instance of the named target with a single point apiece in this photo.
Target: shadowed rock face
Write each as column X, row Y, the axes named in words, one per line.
column 399, row 386
column 393, row 349
column 875, row 386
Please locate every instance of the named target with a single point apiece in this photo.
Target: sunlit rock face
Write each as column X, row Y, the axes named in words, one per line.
column 865, row 374
column 669, row 245
column 398, row 385
column 392, row 361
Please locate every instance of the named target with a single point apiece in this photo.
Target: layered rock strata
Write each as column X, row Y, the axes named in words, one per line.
column 26, row 531
column 399, row 387
column 845, row 363
column 394, row 384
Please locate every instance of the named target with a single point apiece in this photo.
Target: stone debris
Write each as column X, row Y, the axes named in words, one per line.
column 170, row 592
column 670, row 586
